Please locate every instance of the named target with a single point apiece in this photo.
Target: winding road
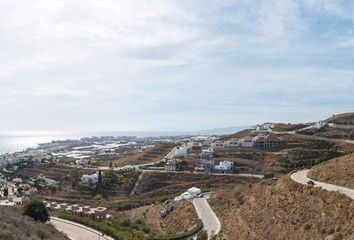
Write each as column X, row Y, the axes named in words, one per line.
column 77, row 231
column 296, row 133
column 301, row 177
column 211, row 222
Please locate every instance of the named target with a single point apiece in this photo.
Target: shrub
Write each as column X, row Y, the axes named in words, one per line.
column 203, row 235
column 37, row 210
column 185, row 235
column 105, row 227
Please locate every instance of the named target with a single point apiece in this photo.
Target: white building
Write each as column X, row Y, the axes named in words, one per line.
column 218, row 144
column 320, row 124
column 181, row 151
column 247, row 142
column 261, row 129
column 232, row 143
column 191, row 193
column 86, row 179
column 224, row 166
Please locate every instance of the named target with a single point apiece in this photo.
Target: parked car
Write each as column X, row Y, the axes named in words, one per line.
column 311, row 182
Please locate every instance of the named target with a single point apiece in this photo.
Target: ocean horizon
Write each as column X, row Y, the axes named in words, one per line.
column 14, row 142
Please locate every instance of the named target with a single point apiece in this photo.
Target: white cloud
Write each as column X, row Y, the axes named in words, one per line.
column 84, row 63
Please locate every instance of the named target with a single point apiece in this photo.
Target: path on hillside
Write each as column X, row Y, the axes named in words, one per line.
column 301, row 177
column 132, row 192
column 77, row 231
column 334, row 140
column 210, row 221
column 341, row 126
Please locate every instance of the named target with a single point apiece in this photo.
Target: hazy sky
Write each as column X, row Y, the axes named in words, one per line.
column 172, row 65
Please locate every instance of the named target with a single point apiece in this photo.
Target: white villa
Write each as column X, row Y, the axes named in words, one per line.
column 86, row 179
column 320, row 124
column 191, row 193
column 247, row 142
column 218, row 144
column 224, row 166
column 232, row 143
column 181, row 151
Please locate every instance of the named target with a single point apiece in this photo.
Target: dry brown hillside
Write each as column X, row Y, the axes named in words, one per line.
column 342, row 118
column 181, row 219
column 338, row 171
column 151, row 155
column 283, row 210
column 15, row 226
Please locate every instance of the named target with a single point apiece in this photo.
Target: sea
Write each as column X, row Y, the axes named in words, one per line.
column 15, row 142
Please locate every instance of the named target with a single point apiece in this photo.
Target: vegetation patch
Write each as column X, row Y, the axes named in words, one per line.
column 308, row 157
column 107, row 227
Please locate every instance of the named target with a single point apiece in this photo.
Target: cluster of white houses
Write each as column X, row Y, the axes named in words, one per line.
column 97, row 214
column 262, row 141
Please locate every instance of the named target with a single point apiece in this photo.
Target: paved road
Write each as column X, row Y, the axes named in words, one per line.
column 301, row 177
column 215, row 174
column 77, row 231
column 211, row 222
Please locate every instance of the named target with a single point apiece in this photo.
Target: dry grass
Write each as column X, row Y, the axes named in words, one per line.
column 148, row 156
column 15, row 226
column 181, row 219
column 282, row 127
column 284, row 210
column 168, row 185
column 339, row 171
column 56, row 171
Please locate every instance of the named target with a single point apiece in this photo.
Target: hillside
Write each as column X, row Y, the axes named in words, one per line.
column 15, row 226
column 147, row 219
column 151, row 155
column 343, row 118
column 283, row 210
column 339, row 171
column 331, row 131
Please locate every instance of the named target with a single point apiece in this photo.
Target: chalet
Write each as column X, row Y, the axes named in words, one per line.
column 224, row 167
column 247, row 142
column 232, row 143
column 218, row 144
column 268, row 141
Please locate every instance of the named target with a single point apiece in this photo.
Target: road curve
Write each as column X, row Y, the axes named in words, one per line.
column 77, row 231
column 301, row 177
column 211, row 222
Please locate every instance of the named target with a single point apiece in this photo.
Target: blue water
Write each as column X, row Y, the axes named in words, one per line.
column 19, row 142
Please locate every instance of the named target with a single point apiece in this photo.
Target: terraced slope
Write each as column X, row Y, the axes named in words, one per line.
column 148, row 156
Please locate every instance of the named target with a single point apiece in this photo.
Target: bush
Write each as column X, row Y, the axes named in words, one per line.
column 37, row 210
column 184, row 235
column 308, row 157
column 203, row 235
column 105, row 227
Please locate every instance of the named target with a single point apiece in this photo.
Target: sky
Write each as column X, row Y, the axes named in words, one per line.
column 87, row 65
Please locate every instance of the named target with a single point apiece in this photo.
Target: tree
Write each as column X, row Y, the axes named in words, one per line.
column 6, row 192
column 37, row 210
column 19, row 190
column 100, row 177
column 203, row 235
